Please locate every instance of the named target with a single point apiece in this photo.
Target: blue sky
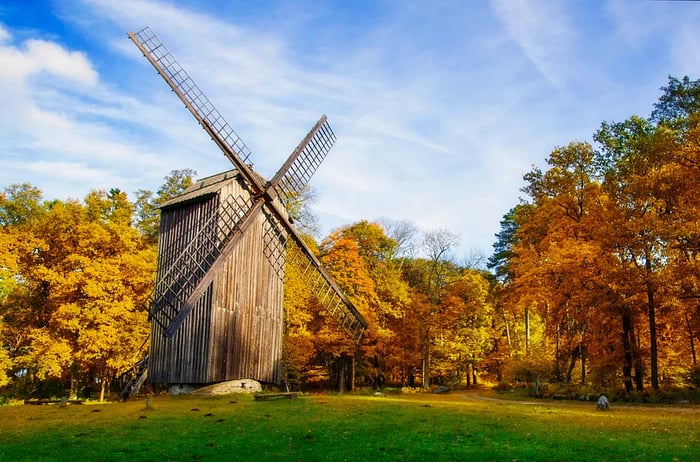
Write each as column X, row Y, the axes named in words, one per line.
column 439, row 107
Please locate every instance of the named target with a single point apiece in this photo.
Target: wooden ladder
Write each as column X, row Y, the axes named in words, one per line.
column 138, row 377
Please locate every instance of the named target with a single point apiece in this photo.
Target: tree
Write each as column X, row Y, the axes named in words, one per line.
column 679, row 101
column 147, row 205
column 302, row 312
column 20, row 204
column 556, row 261
column 612, row 234
column 503, row 247
column 343, row 257
column 432, row 278
column 405, row 234
column 80, row 275
column 360, row 257
column 463, row 326
column 636, row 153
column 300, row 212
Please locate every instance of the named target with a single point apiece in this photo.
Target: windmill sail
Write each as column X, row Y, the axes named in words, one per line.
column 290, row 181
column 327, row 292
column 296, row 172
column 188, row 91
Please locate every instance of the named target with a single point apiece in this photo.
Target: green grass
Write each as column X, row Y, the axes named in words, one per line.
column 457, row 426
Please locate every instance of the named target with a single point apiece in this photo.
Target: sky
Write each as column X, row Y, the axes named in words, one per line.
column 440, row 107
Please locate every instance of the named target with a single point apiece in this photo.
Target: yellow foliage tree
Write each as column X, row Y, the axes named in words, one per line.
column 75, row 310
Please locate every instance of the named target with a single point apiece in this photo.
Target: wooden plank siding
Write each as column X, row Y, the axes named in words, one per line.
column 235, row 330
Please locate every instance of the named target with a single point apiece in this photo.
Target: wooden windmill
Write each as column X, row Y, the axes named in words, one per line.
column 217, row 305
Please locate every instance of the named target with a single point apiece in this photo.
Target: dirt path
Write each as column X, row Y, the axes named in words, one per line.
column 683, row 408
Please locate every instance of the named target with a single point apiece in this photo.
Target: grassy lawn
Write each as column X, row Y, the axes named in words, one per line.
column 456, row 426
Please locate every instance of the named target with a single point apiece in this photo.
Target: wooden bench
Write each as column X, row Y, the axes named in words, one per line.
column 270, row 396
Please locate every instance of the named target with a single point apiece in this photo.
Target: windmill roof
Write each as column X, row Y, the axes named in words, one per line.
column 204, row 187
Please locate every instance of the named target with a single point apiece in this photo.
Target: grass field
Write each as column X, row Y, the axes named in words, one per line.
column 426, row 427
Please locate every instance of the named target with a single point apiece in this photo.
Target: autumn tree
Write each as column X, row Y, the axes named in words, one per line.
column 606, row 248
column 462, row 326
column 499, row 262
column 81, row 274
column 556, row 262
column 429, row 277
column 301, row 320
column 147, row 204
column 359, row 257
column 640, row 179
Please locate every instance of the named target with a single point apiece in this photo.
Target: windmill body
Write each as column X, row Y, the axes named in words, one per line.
column 235, row 329
column 217, row 306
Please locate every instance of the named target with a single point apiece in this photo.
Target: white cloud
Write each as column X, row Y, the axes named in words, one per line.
column 4, row 34
column 54, row 59
column 38, row 56
column 59, row 125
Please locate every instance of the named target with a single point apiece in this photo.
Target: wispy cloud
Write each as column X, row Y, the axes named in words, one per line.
column 542, row 30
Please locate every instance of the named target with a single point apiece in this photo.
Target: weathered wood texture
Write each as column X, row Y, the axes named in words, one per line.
column 235, row 330
column 273, row 396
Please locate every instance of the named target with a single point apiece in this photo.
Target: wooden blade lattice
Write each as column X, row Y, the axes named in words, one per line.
column 304, row 162
column 274, row 242
column 328, row 296
column 177, row 283
column 188, row 91
column 289, row 182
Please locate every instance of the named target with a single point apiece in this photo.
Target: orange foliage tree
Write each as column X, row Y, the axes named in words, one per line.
column 606, row 250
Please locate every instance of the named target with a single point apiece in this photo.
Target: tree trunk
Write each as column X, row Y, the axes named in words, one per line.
column 103, row 385
column 341, row 379
column 583, row 365
column 572, row 363
column 652, row 328
column 73, row 392
column 527, row 331
column 426, row 360
column 637, row 360
column 627, row 349
column 691, row 336
column 474, row 374
column 557, row 370
column 505, row 321
column 352, row 380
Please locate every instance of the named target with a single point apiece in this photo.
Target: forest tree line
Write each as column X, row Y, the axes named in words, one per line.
column 594, row 279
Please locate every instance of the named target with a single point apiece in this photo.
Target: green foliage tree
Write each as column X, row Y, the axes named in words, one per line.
column 147, row 204
column 678, row 103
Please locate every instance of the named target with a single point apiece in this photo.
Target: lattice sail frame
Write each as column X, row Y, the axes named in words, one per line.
column 172, row 69
column 175, row 297
column 289, row 183
column 299, row 173
column 336, row 306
